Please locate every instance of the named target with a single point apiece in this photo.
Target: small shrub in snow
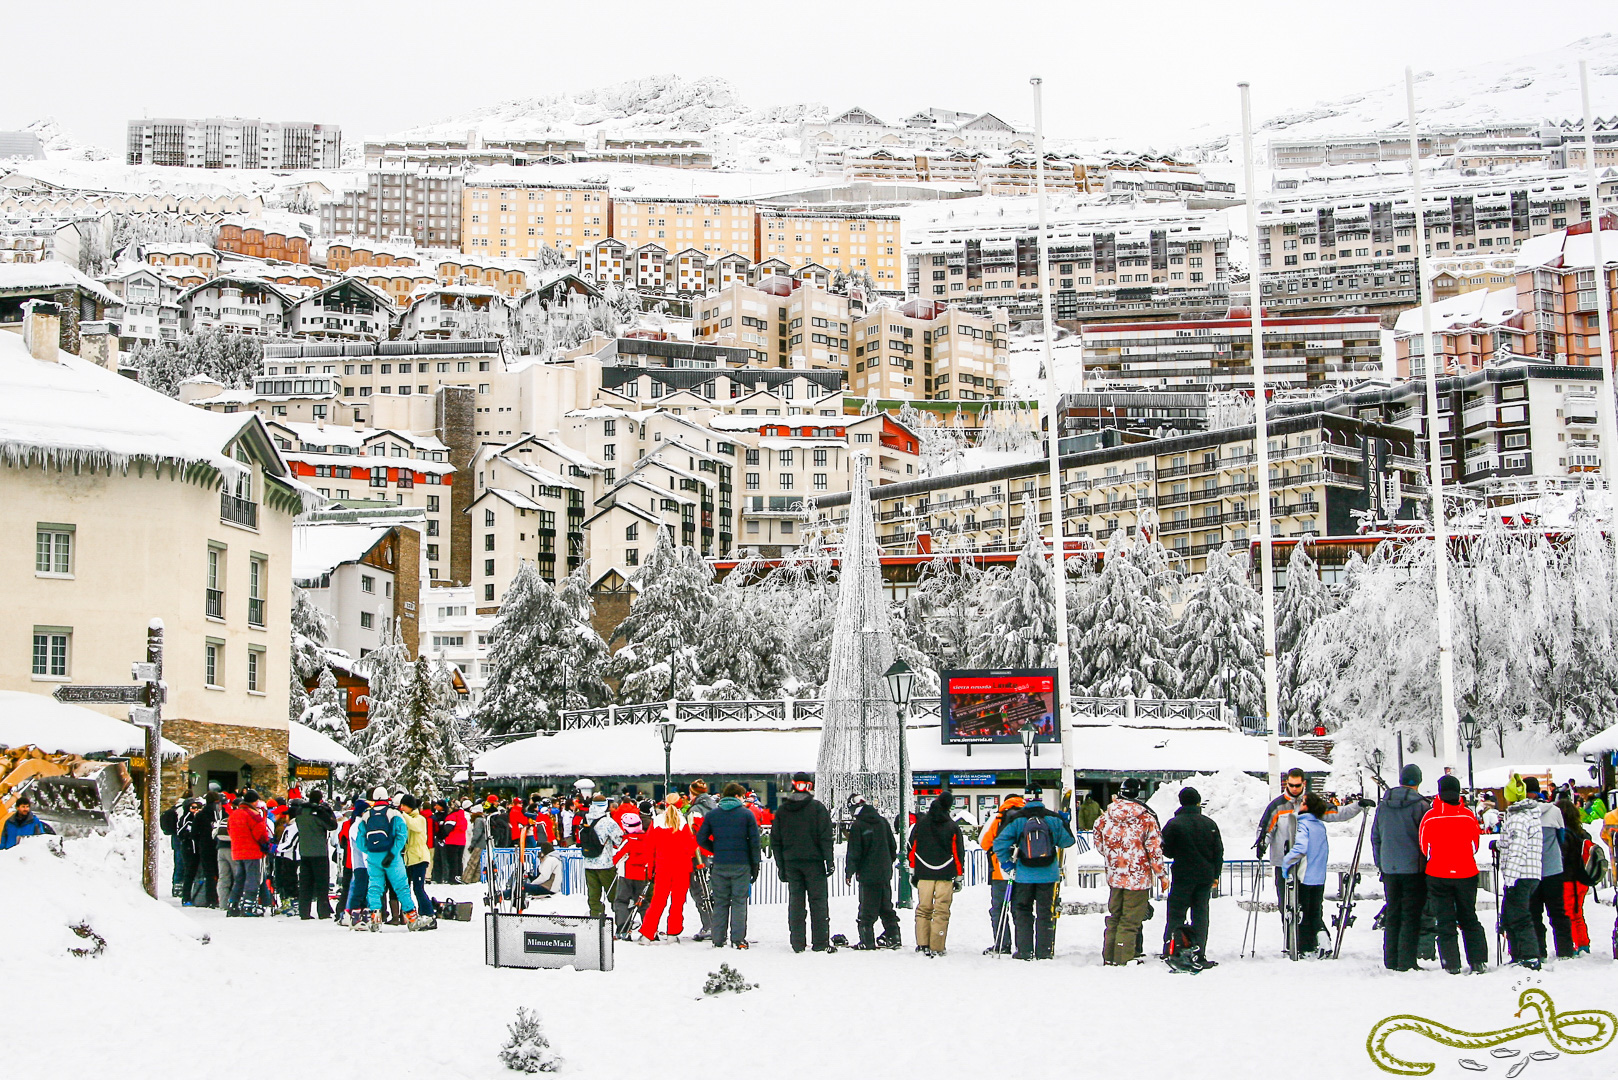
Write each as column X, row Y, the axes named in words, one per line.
column 97, row 943
column 727, row 980
column 527, row 1050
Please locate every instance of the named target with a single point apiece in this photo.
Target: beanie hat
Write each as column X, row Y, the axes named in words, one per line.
column 1449, row 789
column 699, row 787
column 1130, row 788
column 1410, row 775
column 1032, row 791
column 1189, row 796
column 360, row 804
column 1531, row 784
column 631, row 822
column 802, row 781
column 409, row 801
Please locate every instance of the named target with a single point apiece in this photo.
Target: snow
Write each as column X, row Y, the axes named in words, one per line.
column 320, row 548
column 1561, row 772
column 1233, row 799
column 307, row 744
column 1480, row 307
column 52, row 275
column 1564, row 250
column 57, row 728
column 73, row 412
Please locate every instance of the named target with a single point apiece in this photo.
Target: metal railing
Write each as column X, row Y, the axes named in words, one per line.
column 240, row 511
column 216, row 603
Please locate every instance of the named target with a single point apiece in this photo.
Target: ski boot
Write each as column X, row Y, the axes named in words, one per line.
column 889, row 942
column 375, row 925
column 420, row 922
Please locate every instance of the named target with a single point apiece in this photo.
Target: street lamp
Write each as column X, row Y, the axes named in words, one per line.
column 1376, row 764
column 1469, row 735
column 1028, row 734
column 900, row 682
column 667, row 729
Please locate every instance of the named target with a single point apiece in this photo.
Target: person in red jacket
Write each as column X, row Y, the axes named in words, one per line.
column 673, row 850
column 249, row 843
column 454, row 837
column 634, row 860
column 1449, row 840
column 626, row 805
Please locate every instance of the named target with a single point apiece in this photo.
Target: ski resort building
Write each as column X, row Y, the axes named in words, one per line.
column 234, row 143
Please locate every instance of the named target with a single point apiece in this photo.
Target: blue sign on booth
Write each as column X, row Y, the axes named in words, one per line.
column 972, row 779
column 925, row 779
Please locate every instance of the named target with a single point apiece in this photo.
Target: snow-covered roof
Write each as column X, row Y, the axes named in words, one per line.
column 515, row 498
column 367, row 462
column 307, row 744
column 1480, row 307
column 52, row 275
column 543, row 476
column 321, row 547
column 751, row 750
column 1563, row 250
column 73, row 411
column 56, row 728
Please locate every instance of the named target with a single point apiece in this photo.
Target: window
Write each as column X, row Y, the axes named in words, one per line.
column 820, row 481
column 432, row 552
column 255, row 670
column 752, row 481
column 216, row 581
column 631, row 556
column 820, row 458
column 53, row 550
column 752, row 457
column 257, row 577
column 432, row 508
column 212, row 655
column 786, row 481
column 379, row 476
column 488, row 593
column 488, row 568
column 51, row 651
column 367, row 583
column 367, row 621
column 632, row 531
column 488, row 541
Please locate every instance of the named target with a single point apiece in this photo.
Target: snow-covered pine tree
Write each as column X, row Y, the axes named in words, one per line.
column 308, row 658
column 415, row 740
column 805, row 591
column 544, row 656
column 1122, row 627
column 327, row 711
column 1304, row 602
column 527, row 1050
column 387, row 670
column 673, row 597
column 941, row 614
column 1219, row 641
column 745, row 651
column 1019, row 628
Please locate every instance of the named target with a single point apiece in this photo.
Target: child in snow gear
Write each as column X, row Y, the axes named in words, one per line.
column 938, row 866
column 872, row 852
column 1449, row 844
column 1191, row 839
column 1396, row 850
column 1033, row 892
column 801, row 843
column 1305, row 864
column 635, row 874
column 730, row 835
column 1128, row 839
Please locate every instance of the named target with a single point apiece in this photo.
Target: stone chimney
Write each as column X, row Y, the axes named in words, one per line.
column 42, row 328
column 98, row 343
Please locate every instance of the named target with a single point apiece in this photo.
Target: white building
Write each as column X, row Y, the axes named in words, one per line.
column 234, row 143
column 453, row 631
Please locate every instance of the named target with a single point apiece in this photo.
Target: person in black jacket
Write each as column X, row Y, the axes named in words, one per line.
column 730, row 834
column 937, row 857
column 169, row 821
column 872, row 851
column 204, row 891
column 800, row 842
column 316, row 821
column 1191, row 839
column 190, row 835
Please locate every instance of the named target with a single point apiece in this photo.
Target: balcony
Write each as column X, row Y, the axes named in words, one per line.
column 240, row 511
column 1478, row 415
column 1580, row 410
column 255, row 611
column 216, row 604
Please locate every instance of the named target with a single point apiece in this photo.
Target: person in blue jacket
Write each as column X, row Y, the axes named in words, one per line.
column 385, row 868
column 1035, row 874
column 22, row 823
column 1307, row 862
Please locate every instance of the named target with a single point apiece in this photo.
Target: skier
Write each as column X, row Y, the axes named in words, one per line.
column 1397, row 851
column 1128, row 838
column 315, row 821
column 1307, row 858
column 999, row 886
column 698, row 805
column 1277, row 826
column 636, row 856
column 1028, row 844
column 384, row 832
column 730, row 835
column 937, row 859
column 673, row 848
column 249, row 843
column 1449, row 844
column 23, row 822
column 1191, row 839
column 1519, row 848
column 191, row 833
column 1576, row 845
column 872, row 853
column 1547, row 902
column 418, row 852
column 599, row 840
column 801, row 843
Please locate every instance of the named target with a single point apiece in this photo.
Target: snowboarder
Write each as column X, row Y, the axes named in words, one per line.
column 872, row 853
column 1129, row 840
column 999, row 885
column 673, row 849
column 1307, row 859
column 23, row 822
column 1028, row 845
column 1449, row 845
column 801, row 843
column 730, row 835
column 1397, row 852
column 937, row 858
column 1191, row 839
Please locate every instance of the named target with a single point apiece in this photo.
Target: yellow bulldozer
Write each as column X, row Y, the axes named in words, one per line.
column 67, row 790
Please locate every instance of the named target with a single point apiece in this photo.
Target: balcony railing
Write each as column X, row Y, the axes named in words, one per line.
column 216, row 603
column 240, row 511
column 255, row 611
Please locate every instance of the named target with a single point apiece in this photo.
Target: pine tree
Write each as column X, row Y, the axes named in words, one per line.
column 326, row 711
column 1122, row 626
column 1020, row 628
column 745, row 649
column 673, row 599
column 1220, row 637
column 308, row 651
column 414, row 742
column 545, row 657
column 1303, row 603
column 387, row 670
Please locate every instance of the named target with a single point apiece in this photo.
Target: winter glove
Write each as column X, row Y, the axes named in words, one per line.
column 958, row 883
column 1367, row 804
column 831, row 868
column 753, row 876
column 387, row 861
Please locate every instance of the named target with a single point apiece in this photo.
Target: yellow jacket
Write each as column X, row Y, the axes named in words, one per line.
column 416, row 845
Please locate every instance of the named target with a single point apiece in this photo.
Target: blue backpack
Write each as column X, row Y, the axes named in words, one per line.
column 1037, row 845
column 378, row 831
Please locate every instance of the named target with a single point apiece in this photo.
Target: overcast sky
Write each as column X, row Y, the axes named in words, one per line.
column 1147, row 71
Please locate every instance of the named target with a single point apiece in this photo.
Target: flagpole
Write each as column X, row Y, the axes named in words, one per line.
column 1261, row 444
column 1609, row 404
column 1449, row 741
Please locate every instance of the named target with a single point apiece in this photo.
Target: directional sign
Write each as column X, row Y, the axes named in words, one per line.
column 142, row 717
column 101, row 695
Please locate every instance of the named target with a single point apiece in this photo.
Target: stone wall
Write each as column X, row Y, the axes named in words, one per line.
column 264, row 748
column 456, row 427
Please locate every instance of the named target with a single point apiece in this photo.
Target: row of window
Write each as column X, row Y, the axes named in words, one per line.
column 53, row 658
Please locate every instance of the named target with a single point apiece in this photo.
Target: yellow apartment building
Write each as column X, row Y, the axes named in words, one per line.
column 712, row 226
column 507, row 214
column 849, row 241
column 929, row 350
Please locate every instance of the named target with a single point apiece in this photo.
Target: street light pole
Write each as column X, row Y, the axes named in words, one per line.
column 1028, row 734
column 900, row 681
column 1469, row 732
column 667, row 729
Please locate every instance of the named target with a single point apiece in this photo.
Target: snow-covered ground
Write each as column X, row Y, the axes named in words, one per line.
column 424, row 1005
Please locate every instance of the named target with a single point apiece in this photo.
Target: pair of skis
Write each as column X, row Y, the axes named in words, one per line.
column 1341, row 921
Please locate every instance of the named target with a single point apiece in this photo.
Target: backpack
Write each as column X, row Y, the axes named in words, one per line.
column 1037, row 844
column 1596, row 865
column 378, row 831
column 590, row 842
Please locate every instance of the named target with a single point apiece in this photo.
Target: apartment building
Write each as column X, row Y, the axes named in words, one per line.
column 825, row 143
column 453, row 631
column 529, row 505
column 852, row 242
column 1557, row 281
column 781, row 322
column 234, row 143
column 418, row 203
column 605, row 262
column 1456, row 274
column 1217, row 354
column 259, row 242
column 925, row 349
column 361, row 568
column 148, row 310
column 1394, row 146
column 440, row 312
column 237, row 305
column 712, row 226
column 1104, row 264
column 347, row 310
column 506, row 213
column 1470, row 331
column 1196, row 490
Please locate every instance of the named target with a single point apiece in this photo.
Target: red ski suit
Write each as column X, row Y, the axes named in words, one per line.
column 672, row 851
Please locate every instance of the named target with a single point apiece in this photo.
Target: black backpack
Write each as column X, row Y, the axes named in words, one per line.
column 1037, row 844
column 590, row 842
column 378, row 831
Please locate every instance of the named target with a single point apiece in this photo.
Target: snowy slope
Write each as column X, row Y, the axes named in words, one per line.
column 60, row 146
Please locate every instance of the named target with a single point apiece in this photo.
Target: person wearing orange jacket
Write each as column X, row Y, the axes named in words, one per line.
column 673, row 849
column 249, row 843
column 999, row 887
column 634, row 862
column 1449, row 838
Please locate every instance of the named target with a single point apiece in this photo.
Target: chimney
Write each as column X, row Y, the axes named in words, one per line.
column 42, row 328
column 98, row 343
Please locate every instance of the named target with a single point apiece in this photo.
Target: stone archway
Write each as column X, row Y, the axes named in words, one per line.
column 234, row 768
column 225, row 748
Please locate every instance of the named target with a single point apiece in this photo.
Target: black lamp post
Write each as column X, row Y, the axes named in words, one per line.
column 667, row 729
column 900, row 682
column 1376, row 763
column 1028, row 734
column 1469, row 735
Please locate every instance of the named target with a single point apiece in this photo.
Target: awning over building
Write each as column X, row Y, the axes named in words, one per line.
column 304, row 743
column 56, row 728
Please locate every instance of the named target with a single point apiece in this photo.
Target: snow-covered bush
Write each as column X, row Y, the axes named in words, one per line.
column 727, row 980
column 527, row 1050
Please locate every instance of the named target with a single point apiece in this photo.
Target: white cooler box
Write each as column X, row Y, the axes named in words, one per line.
column 548, row 941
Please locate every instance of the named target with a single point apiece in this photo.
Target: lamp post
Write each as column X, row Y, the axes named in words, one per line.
column 1376, row 764
column 667, row 729
column 1028, row 734
column 900, row 682
column 1469, row 735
